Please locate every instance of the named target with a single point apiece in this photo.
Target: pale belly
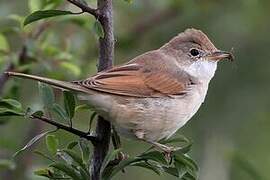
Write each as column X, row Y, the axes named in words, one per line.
column 149, row 119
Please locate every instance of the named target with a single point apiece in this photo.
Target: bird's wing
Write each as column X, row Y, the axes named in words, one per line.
column 139, row 79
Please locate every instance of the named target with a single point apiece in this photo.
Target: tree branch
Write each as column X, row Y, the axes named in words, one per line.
column 85, row 8
column 106, row 55
column 70, row 129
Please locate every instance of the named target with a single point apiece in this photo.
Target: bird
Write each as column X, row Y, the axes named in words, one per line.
column 153, row 95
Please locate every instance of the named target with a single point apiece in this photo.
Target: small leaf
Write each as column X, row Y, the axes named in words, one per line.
column 156, row 169
column 65, row 157
column 10, row 103
column 7, row 164
column 177, row 139
column 47, row 95
column 35, row 5
column 10, row 112
column 29, row 112
column 92, row 117
column 154, row 156
column 68, row 170
column 109, row 172
column 70, row 67
column 75, row 158
column 82, row 107
column 85, row 150
column 16, row 17
column 44, row 172
column 70, row 104
column 172, row 171
column 10, row 107
column 108, row 158
column 38, row 114
column 72, row 145
column 44, row 155
column 98, row 29
column 52, row 143
column 38, row 15
column 84, row 173
column 4, row 46
column 60, row 111
column 181, row 168
column 32, row 141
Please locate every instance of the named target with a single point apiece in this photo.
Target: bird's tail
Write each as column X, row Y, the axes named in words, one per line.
column 58, row 84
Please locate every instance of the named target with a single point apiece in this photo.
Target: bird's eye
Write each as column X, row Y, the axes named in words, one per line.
column 194, row 52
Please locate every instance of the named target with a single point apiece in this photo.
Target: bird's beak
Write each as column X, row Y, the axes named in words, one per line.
column 220, row 55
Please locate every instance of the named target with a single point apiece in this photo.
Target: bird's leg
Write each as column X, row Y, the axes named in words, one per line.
column 167, row 150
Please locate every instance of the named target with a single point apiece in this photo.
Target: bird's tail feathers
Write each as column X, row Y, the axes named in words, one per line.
column 57, row 83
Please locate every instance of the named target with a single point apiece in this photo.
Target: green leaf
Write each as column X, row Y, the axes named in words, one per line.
column 75, row 158
column 85, row 150
column 35, row 5
column 44, row 155
column 38, row 15
column 156, row 169
column 92, row 117
column 185, row 160
column 65, row 157
column 47, row 95
column 10, row 112
column 181, row 168
column 4, row 46
column 11, row 103
column 32, row 141
column 85, row 174
column 83, row 107
column 70, row 67
column 108, row 158
column 98, row 29
column 60, row 111
column 10, row 107
column 154, row 156
column 69, row 103
column 109, row 172
column 177, row 139
column 38, row 114
column 68, row 170
column 72, row 145
column 7, row 164
column 51, row 4
column 44, row 172
column 172, row 171
column 29, row 112
column 15, row 17
column 52, row 143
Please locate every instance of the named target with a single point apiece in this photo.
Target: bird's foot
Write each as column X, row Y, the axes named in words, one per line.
column 167, row 150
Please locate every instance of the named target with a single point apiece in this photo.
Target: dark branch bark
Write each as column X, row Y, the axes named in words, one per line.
column 69, row 129
column 106, row 54
column 84, row 7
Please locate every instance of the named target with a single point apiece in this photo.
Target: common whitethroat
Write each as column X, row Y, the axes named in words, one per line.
column 153, row 95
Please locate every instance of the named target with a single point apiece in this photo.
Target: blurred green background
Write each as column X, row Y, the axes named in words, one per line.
column 230, row 132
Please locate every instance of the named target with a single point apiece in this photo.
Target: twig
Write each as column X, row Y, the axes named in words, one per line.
column 4, row 77
column 70, row 129
column 85, row 8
